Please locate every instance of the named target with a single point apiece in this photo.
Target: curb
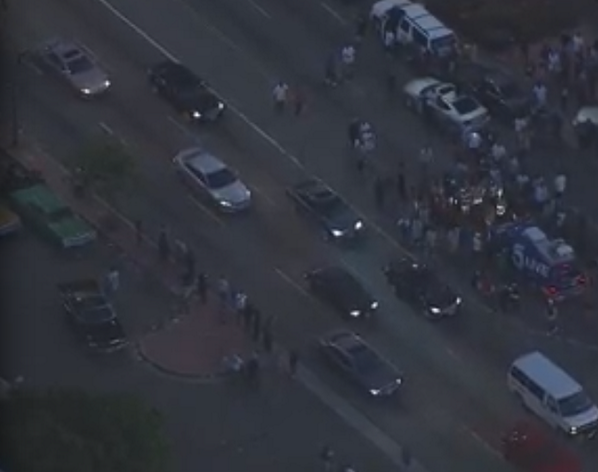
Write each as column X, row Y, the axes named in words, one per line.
column 200, row 378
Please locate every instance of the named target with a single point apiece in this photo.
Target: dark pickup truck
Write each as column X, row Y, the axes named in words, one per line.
column 91, row 315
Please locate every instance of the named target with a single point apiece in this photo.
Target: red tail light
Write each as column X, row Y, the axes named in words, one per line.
column 550, row 291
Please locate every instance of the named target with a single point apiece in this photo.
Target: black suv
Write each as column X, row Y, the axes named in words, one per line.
column 186, row 92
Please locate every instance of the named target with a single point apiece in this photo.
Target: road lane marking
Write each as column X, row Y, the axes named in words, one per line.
column 485, row 444
column 337, row 16
column 273, row 142
column 263, row 194
column 260, row 9
column 293, row 284
column 110, row 132
column 106, row 128
column 206, row 210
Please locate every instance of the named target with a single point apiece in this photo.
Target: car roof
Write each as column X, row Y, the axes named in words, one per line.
column 312, row 185
column 335, row 273
column 176, row 71
column 547, row 375
column 201, row 160
column 345, row 340
column 62, row 46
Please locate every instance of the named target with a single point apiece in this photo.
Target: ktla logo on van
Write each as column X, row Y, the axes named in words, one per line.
column 522, row 261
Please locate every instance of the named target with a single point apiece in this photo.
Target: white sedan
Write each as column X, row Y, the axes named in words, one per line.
column 447, row 107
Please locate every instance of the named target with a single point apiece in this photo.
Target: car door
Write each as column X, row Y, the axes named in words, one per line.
column 441, row 110
column 54, row 63
column 552, row 411
column 197, row 181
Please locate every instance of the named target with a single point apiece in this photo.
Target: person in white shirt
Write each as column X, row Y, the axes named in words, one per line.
column 498, row 152
column 389, row 41
column 348, row 59
column 280, row 94
column 560, row 185
column 540, row 94
column 474, row 141
column 578, row 42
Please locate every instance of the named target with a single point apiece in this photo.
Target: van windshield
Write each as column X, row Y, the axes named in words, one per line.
column 443, row 43
column 575, row 404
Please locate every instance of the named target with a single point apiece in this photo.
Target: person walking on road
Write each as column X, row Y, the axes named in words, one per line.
column 327, row 457
column 348, row 54
column 293, row 362
column 112, row 281
column 551, row 316
column 163, row 244
column 280, row 95
column 202, row 287
column 560, row 185
column 240, row 305
column 224, row 297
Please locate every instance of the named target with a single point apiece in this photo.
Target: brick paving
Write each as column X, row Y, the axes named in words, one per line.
column 191, row 345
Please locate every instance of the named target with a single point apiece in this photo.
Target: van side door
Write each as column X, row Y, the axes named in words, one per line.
column 553, row 414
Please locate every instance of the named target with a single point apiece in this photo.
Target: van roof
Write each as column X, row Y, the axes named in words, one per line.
column 547, row 375
column 415, row 10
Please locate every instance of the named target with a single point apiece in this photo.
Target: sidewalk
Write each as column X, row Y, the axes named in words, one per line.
column 192, row 345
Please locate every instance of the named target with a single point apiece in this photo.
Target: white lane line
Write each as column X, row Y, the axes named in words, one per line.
column 172, row 57
column 262, row 193
column 138, row 30
column 260, row 9
column 180, row 127
column 293, row 284
column 206, row 210
column 337, row 16
column 106, row 128
column 483, row 442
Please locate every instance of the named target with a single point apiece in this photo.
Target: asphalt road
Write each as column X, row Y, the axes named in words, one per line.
column 456, row 398
column 217, row 427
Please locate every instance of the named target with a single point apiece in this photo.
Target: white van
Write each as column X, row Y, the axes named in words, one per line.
column 549, row 392
column 417, row 27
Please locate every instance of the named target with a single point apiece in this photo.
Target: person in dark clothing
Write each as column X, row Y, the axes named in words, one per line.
column 551, row 316
column 163, row 245
column 256, row 328
column 353, row 132
column 202, row 288
column 401, row 183
column 248, row 314
column 380, row 192
column 267, row 342
column 361, row 26
column 293, row 362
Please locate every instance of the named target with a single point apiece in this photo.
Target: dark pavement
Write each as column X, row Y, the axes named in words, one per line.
column 216, row 427
column 456, row 373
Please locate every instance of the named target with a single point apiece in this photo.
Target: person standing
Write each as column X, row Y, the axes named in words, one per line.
column 224, row 297
column 112, row 281
column 202, row 287
column 298, row 99
column 240, row 305
column 551, row 316
column 163, row 244
column 327, row 457
column 280, row 95
column 560, row 185
column 348, row 54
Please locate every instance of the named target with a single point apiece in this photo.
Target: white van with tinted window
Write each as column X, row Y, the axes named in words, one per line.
column 550, row 393
column 417, row 27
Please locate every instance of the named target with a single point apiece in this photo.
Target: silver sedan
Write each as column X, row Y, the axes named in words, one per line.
column 212, row 180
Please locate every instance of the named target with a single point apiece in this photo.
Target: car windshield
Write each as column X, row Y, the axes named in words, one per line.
column 510, row 90
column 575, row 404
column 59, row 215
column 221, row 178
column 365, row 360
column 465, row 105
column 96, row 314
column 79, row 65
column 327, row 202
column 443, row 43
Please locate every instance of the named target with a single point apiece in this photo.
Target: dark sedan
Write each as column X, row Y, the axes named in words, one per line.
column 185, row 91
column 91, row 315
column 496, row 89
column 323, row 206
column 364, row 366
column 340, row 289
column 419, row 286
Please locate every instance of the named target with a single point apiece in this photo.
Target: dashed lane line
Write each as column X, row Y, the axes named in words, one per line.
column 256, row 6
column 333, row 13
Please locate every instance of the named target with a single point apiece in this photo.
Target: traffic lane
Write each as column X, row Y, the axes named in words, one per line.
column 274, row 426
column 39, row 344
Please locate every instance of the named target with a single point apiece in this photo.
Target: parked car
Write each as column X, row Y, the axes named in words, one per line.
column 530, row 449
column 73, row 64
column 39, row 207
column 213, row 180
column 495, row 88
column 323, row 206
column 91, row 315
column 190, row 95
column 419, row 286
column 9, row 221
column 363, row 365
column 337, row 287
column 452, row 110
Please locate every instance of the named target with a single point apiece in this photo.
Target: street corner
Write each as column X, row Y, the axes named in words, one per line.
column 194, row 346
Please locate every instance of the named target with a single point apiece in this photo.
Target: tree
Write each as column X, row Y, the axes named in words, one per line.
column 75, row 431
column 104, row 164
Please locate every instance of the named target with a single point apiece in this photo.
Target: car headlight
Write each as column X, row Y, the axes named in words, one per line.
column 355, row 313
column 196, row 114
column 572, row 430
column 225, row 203
column 85, row 91
column 375, row 392
column 337, row 233
column 107, row 83
column 220, row 106
column 374, row 305
column 435, row 310
column 358, row 225
column 458, row 301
